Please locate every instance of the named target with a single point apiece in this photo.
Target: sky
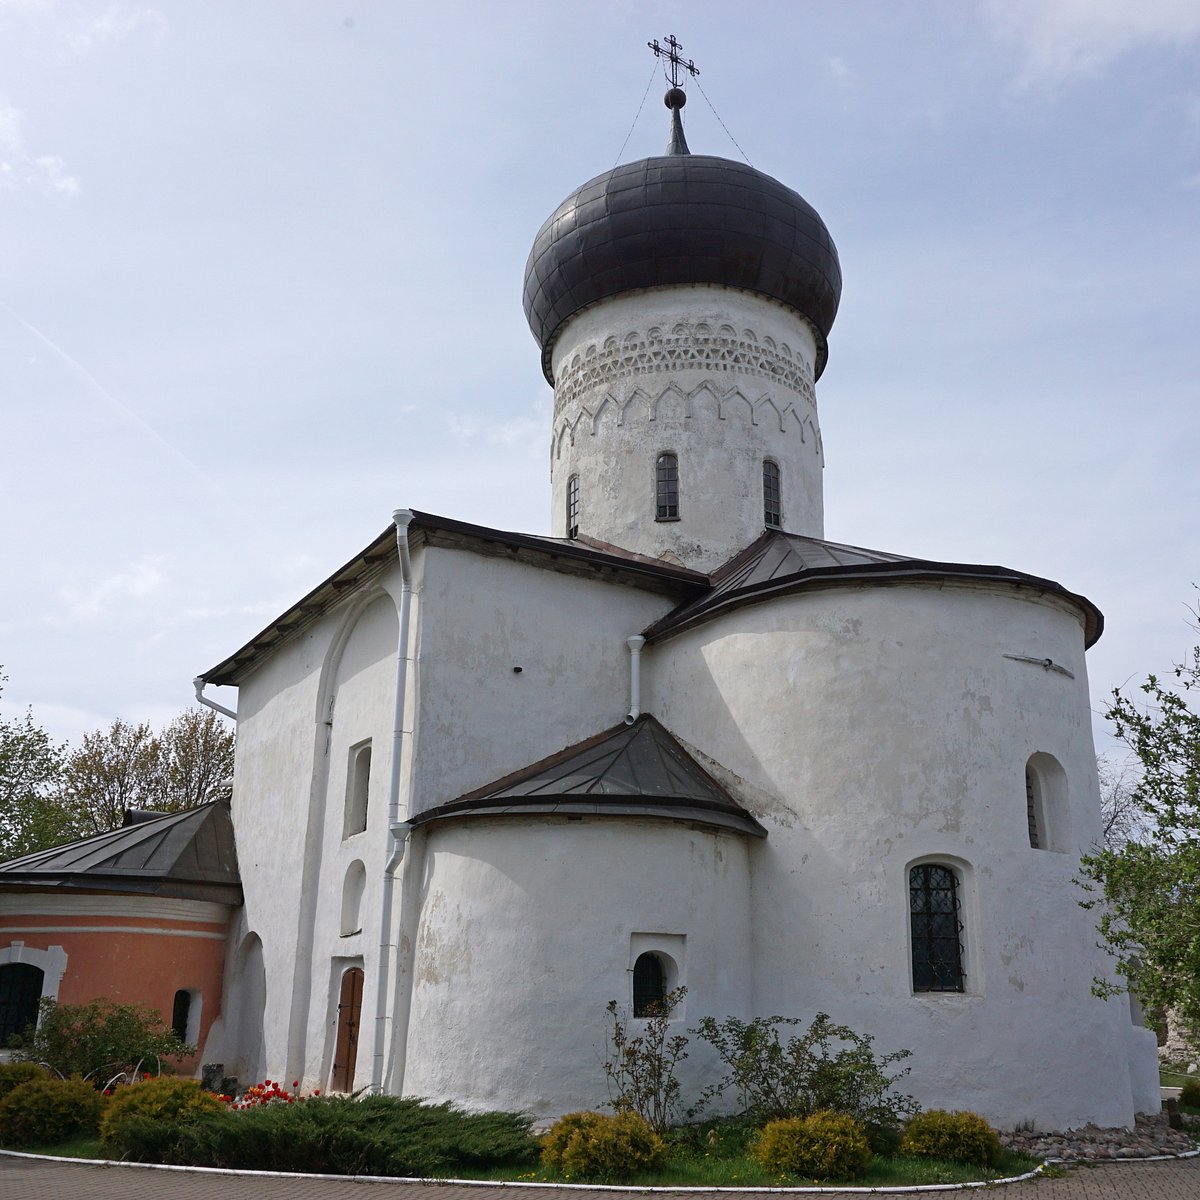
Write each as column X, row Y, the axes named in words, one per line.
column 260, row 285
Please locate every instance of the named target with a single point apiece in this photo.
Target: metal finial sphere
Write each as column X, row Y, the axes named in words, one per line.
column 675, row 98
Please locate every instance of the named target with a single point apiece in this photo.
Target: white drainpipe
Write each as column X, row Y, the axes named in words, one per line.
column 635, row 645
column 198, row 684
column 398, row 830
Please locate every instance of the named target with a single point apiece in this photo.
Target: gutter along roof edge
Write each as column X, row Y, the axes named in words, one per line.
column 370, row 562
column 692, row 613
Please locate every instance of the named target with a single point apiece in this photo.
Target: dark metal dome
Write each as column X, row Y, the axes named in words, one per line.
column 680, row 219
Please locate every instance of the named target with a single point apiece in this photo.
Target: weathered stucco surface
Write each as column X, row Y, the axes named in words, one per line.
column 879, row 728
column 870, row 729
column 721, row 379
column 528, row 929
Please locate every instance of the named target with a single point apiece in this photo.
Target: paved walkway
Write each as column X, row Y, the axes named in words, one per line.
column 31, row 1179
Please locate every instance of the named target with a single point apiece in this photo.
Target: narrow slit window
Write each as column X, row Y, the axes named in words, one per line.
column 358, row 787
column 666, row 477
column 181, row 1010
column 649, row 985
column 573, row 506
column 772, row 503
column 1031, row 808
column 936, row 929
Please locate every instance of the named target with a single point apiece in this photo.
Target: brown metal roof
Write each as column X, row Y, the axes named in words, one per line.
column 778, row 564
column 188, row 855
column 636, row 770
column 578, row 557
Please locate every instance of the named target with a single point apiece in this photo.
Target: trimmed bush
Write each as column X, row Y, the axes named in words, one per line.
column 336, row 1135
column 587, row 1145
column 824, row 1145
column 43, row 1111
column 14, row 1074
column 963, row 1137
column 1189, row 1094
column 167, row 1099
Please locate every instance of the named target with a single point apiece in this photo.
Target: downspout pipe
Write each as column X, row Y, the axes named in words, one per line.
column 398, row 830
column 635, row 645
column 198, row 683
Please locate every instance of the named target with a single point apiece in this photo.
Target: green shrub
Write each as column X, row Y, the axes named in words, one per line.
column 587, row 1145
column 1189, row 1094
column 640, row 1067
column 13, row 1074
column 99, row 1040
column 823, row 1145
column 166, row 1099
column 827, row 1066
column 47, row 1110
column 963, row 1137
column 335, row 1135
column 884, row 1140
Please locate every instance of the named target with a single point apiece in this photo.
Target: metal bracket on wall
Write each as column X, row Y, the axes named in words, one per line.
column 1047, row 664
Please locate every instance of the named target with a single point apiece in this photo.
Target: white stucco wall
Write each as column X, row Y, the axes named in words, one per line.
column 874, row 728
column 308, row 709
column 273, row 780
column 300, row 713
column 482, row 617
column 868, row 728
column 722, row 379
column 530, row 926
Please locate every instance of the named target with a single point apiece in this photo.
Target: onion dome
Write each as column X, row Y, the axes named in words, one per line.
column 680, row 219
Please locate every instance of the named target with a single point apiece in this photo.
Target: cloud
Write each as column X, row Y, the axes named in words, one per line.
column 1064, row 40
column 532, row 428
column 20, row 170
column 116, row 23
column 137, row 581
column 840, row 73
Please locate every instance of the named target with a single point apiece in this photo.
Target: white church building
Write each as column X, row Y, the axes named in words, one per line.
column 488, row 781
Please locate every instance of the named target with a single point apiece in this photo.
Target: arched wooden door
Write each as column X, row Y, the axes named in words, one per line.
column 348, row 1015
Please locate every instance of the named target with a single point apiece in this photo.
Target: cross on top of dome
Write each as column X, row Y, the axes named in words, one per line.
column 674, row 62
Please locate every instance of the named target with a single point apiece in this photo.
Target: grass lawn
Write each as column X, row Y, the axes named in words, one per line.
column 744, row 1172
column 81, row 1145
column 693, row 1168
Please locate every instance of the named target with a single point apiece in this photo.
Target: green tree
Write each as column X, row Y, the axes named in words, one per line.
column 30, row 770
column 130, row 766
column 1147, row 890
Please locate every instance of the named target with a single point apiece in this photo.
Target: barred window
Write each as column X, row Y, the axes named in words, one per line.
column 936, row 929
column 649, row 985
column 1047, row 804
column 1031, row 807
column 772, row 506
column 666, row 477
column 573, row 506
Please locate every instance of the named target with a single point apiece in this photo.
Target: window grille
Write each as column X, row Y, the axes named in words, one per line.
column 772, row 504
column 667, row 488
column 573, row 506
column 1031, row 812
column 936, row 929
column 20, row 991
column 649, row 985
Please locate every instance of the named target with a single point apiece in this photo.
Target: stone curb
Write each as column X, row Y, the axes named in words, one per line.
column 588, row 1187
column 566, row 1187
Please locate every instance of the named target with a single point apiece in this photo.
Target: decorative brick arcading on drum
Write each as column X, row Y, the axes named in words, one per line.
column 683, row 348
